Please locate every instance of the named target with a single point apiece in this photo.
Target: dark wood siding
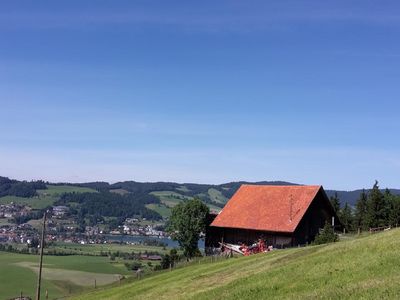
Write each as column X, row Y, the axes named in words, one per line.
column 319, row 212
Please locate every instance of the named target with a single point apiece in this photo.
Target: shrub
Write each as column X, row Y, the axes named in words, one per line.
column 326, row 235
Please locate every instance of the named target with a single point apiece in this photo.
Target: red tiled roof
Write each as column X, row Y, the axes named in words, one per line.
column 267, row 207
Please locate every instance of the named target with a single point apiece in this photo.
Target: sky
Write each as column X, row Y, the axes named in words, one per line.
column 201, row 91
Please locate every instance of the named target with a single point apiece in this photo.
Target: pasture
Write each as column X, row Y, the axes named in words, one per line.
column 217, row 196
column 97, row 249
column 361, row 268
column 62, row 275
column 162, row 209
column 169, row 199
column 46, row 197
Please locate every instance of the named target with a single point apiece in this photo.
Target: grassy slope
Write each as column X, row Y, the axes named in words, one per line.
column 60, row 189
column 170, row 198
column 217, row 196
column 46, row 197
column 163, row 210
column 361, row 268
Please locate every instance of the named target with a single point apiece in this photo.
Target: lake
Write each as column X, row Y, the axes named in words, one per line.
column 141, row 238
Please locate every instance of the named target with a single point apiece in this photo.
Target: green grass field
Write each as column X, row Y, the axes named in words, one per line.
column 362, row 268
column 96, row 249
column 163, row 210
column 217, row 196
column 34, row 202
column 183, row 188
column 58, row 190
column 170, row 199
column 119, row 191
column 45, row 197
column 62, row 275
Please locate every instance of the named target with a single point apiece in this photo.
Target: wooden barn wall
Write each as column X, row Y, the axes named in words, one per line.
column 319, row 212
column 215, row 235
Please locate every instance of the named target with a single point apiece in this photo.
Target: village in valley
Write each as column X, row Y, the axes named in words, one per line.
column 63, row 228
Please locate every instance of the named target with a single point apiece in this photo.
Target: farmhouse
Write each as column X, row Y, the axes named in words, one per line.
column 283, row 216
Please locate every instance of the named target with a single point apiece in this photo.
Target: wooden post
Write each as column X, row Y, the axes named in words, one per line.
column 41, row 258
column 359, row 231
column 95, row 283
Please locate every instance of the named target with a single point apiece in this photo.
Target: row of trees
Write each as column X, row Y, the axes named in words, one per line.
column 12, row 187
column 372, row 209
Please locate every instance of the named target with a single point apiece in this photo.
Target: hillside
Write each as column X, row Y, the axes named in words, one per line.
column 215, row 196
column 44, row 196
column 166, row 195
column 358, row 268
column 171, row 193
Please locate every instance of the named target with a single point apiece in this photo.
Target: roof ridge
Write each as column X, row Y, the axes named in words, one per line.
column 274, row 185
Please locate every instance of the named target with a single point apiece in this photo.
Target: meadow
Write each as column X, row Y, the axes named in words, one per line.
column 62, row 275
column 97, row 249
column 46, row 197
column 360, row 268
column 169, row 199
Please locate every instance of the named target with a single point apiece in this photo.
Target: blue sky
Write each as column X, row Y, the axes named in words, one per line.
column 201, row 91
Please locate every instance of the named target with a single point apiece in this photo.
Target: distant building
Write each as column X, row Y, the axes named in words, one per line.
column 60, row 211
column 283, row 216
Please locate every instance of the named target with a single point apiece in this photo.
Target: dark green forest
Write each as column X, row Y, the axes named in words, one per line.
column 11, row 187
column 374, row 208
column 107, row 204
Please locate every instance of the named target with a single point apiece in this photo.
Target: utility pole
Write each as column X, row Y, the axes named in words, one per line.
column 41, row 258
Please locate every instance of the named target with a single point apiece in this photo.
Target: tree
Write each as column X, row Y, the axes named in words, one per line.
column 347, row 217
column 376, row 208
column 173, row 254
column 393, row 206
column 361, row 211
column 327, row 235
column 187, row 221
column 169, row 260
column 335, row 203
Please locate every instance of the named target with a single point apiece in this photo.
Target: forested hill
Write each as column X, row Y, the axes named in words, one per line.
column 210, row 193
column 169, row 193
column 12, row 187
column 215, row 196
